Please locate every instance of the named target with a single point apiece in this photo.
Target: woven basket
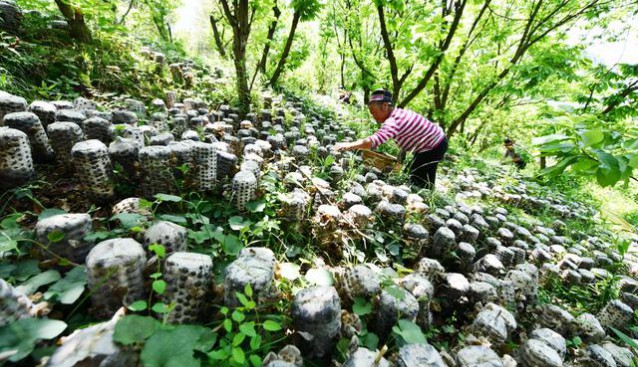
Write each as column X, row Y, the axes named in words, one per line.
column 379, row 160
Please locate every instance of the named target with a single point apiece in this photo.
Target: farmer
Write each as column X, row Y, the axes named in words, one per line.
column 510, row 152
column 413, row 132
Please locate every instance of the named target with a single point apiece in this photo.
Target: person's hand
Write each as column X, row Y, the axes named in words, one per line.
column 340, row 147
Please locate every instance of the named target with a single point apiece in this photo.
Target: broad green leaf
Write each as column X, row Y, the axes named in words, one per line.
column 11, row 221
column 633, row 159
column 165, row 197
column 133, row 329
column 238, row 316
column 138, row 306
column 241, row 298
column 255, row 360
column 410, row 332
column 232, row 245
column 370, row 340
column 549, row 138
column 160, row 307
column 55, row 236
column 19, row 338
column 592, row 137
column 255, row 342
column 158, row 249
column 248, row 290
column 238, row 355
column 248, row 328
column 361, row 306
column 179, row 219
column 68, row 289
column 238, row 339
column 159, row 286
column 256, row 206
column 7, row 243
column 129, row 220
column 271, row 325
column 238, row 223
column 559, row 167
column 172, row 347
column 30, row 286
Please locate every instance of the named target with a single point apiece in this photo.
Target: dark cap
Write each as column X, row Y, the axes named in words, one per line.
column 381, row 95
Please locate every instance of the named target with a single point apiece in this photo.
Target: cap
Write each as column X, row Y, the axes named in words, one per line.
column 381, row 95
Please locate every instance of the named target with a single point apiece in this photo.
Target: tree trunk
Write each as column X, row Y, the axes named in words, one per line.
column 271, row 35
column 217, row 36
column 77, row 26
column 284, row 55
column 240, row 22
column 442, row 48
column 397, row 81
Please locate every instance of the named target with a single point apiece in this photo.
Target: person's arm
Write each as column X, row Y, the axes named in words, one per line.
column 388, row 130
column 359, row 144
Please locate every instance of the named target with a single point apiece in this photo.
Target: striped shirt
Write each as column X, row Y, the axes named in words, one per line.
column 413, row 132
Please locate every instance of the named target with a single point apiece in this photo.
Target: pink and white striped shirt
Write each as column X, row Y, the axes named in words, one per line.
column 413, row 132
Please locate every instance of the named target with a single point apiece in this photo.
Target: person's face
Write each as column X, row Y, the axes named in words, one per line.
column 379, row 111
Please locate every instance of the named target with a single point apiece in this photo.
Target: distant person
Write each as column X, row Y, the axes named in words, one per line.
column 345, row 96
column 413, row 132
column 510, row 152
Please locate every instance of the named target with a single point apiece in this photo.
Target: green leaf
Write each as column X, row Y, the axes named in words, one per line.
column 160, row 308
column 55, row 236
column 173, row 347
column 11, row 221
column 559, row 167
column 232, row 245
column 238, row 316
column 370, row 340
column 30, row 286
column 608, row 172
column 320, row 277
column 549, row 138
column 68, row 289
column 138, row 306
column 159, row 286
column 19, row 338
column 219, row 355
column 129, row 220
column 248, row 328
column 179, row 219
column 270, row 325
column 625, row 338
column 255, row 342
column 256, row 206
column 238, row 339
column 228, row 325
column 7, row 243
column 238, row 223
column 395, row 292
column 238, row 355
column 158, row 249
column 133, row 329
column 242, row 299
column 165, row 197
column 248, row 290
column 410, row 332
column 592, row 137
column 255, row 360
column 361, row 307
column 633, row 159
